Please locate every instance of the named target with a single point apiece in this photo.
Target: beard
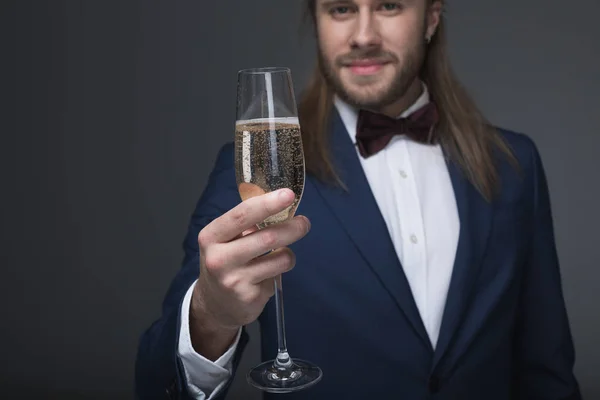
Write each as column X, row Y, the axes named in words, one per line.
column 375, row 93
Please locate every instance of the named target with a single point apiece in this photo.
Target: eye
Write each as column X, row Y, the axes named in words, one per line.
column 342, row 11
column 339, row 10
column 390, row 7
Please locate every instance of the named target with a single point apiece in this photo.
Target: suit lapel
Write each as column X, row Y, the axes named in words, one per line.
column 357, row 211
column 475, row 215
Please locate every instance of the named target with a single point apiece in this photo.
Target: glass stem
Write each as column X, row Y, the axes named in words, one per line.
column 283, row 360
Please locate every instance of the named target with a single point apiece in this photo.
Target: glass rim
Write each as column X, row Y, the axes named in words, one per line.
column 263, row 70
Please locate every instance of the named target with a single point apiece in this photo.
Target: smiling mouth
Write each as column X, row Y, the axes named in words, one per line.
column 366, row 67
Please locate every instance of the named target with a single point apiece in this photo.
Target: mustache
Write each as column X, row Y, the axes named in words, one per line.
column 376, row 55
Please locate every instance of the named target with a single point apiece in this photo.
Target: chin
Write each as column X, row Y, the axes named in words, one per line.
column 361, row 91
column 370, row 95
column 362, row 100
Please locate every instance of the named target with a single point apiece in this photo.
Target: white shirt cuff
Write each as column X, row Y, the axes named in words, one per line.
column 204, row 378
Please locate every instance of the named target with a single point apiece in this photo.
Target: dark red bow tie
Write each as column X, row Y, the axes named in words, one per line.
column 374, row 131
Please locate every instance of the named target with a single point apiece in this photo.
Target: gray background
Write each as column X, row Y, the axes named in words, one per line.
column 113, row 112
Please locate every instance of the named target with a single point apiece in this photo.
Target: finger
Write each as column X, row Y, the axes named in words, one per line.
column 246, row 215
column 269, row 266
column 245, row 249
column 247, row 232
column 267, row 288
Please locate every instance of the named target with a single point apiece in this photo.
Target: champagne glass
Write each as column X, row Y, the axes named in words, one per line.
column 268, row 157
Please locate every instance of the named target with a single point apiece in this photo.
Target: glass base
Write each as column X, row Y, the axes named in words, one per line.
column 301, row 375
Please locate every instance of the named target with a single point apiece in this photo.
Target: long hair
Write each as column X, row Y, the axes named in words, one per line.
column 463, row 132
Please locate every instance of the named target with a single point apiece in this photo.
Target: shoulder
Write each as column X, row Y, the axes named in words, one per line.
column 225, row 157
column 220, row 192
column 523, row 179
column 222, row 175
column 523, row 149
column 521, row 144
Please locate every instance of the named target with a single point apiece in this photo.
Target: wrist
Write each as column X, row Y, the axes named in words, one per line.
column 209, row 337
column 205, row 316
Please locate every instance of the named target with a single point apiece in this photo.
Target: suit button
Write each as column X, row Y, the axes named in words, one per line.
column 434, row 384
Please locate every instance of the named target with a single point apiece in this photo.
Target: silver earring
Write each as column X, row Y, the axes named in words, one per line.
column 428, row 39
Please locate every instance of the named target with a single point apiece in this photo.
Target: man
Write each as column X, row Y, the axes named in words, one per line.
column 430, row 271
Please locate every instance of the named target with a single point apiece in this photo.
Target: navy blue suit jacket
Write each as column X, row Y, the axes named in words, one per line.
column 349, row 309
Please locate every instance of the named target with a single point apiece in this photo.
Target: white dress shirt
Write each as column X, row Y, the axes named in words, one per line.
column 414, row 193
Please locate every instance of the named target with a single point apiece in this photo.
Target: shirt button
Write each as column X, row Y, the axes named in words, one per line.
column 413, row 238
column 403, row 174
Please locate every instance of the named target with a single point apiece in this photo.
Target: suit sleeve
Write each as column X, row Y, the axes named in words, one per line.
column 159, row 372
column 544, row 346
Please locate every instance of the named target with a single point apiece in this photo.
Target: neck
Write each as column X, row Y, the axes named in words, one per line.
column 398, row 107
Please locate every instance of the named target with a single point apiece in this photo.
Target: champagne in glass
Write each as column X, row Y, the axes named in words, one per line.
column 268, row 157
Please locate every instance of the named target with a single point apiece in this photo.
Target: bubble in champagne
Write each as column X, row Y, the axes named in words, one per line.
column 268, row 157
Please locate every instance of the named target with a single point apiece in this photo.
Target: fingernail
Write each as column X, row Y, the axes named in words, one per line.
column 285, row 194
column 308, row 223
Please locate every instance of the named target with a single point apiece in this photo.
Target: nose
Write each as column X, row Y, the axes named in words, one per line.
column 366, row 31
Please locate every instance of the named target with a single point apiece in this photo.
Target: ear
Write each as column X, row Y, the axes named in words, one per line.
column 434, row 14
